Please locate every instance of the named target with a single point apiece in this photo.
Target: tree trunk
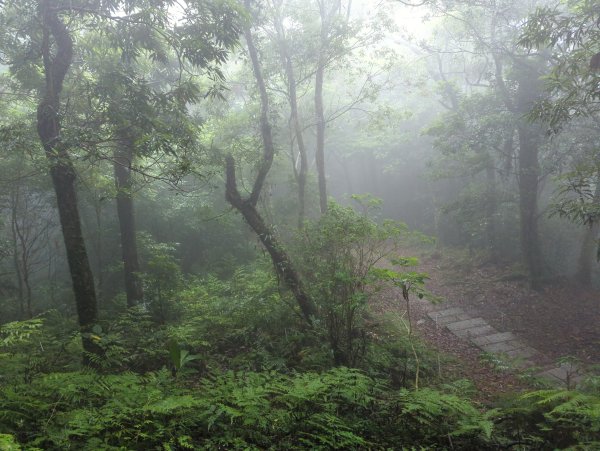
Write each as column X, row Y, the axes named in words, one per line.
column 589, row 247
column 491, row 207
column 98, row 250
column 320, row 117
column 122, row 167
column 63, row 173
column 16, row 259
column 529, row 173
column 301, row 178
column 295, row 115
column 326, row 16
column 282, row 263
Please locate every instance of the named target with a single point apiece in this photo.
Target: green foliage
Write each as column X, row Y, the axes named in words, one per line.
column 262, row 382
column 44, row 344
column 242, row 323
column 337, row 255
column 422, row 410
column 576, row 197
column 162, row 277
column 180, row 357
column 566, row 418
column 336, row 409
column 127, row 345
column 8, row 443
column 571, row 33
column 19, row 331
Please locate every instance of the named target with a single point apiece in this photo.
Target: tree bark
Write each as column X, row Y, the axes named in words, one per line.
column 123, row 157
column 63, row 172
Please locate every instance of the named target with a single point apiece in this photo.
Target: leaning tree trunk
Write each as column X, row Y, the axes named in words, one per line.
column 63, row 172
column 247, row 207
column 122, row 167
column 281, row 261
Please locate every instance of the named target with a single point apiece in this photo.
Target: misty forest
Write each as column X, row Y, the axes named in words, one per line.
column 299, row 224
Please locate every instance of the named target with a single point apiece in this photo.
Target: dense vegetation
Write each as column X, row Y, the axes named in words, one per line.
column 188, row 258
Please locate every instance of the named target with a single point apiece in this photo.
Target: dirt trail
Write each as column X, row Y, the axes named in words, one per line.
column 548, row 321
column 560, row 320
column 466, row 362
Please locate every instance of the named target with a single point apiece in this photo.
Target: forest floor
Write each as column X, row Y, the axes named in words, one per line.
column 561, row 320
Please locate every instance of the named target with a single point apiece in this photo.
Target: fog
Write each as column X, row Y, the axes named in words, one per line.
column 219, row 215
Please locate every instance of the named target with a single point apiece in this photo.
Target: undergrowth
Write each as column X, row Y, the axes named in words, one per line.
column 230, row 364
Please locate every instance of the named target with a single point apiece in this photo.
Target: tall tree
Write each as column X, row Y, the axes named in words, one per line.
column 123, row 162
column 286, row 57
column 570, row 34
column 486, row 36
column 57, row 54
column 530, row 140
column 203, row 37
column 247, row 206
column 328, row 9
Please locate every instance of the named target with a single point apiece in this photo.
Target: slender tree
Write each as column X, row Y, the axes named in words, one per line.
column 286, row 58
column 123, row 161
column 247, row 206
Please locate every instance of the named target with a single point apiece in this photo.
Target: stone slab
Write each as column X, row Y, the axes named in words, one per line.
column 475, row 331
column 522, row 364
column 550, row 377
column 565, row 373
column 466, row 324
column 522, row 353
column 558, row 377
column 493, row 338
column 449, row 319
column 503, row 346
column 447, row 312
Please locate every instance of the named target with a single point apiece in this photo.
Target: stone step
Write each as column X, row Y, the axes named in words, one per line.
column 503, row 346
column 466, row 324
column 443, row 320
column 447, row 311
column 493, row 338
column 475, row 331
column 566, row 374
column 522, row 353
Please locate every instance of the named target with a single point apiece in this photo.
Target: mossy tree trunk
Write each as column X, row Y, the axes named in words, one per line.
column 57, row 53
